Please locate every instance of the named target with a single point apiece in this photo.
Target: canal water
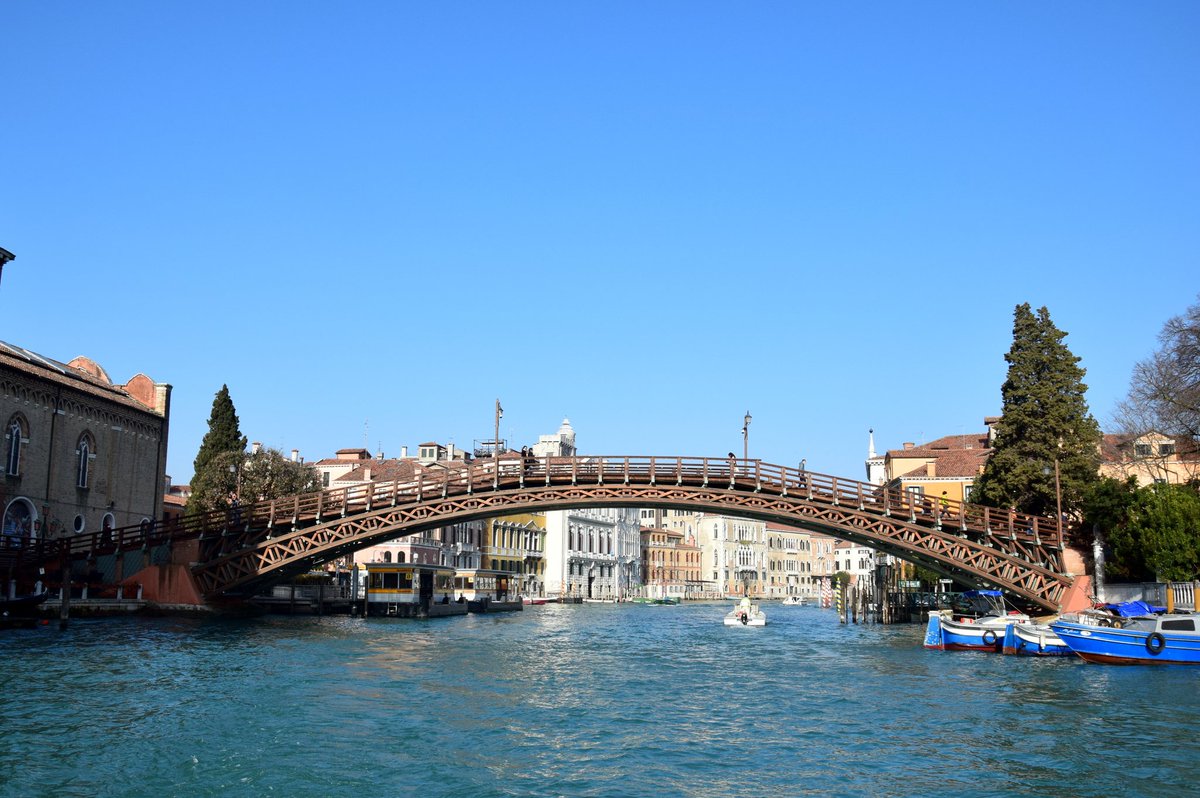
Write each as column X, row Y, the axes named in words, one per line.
column 584, row 700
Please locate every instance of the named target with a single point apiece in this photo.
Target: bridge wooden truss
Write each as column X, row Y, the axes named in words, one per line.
column 244, row 550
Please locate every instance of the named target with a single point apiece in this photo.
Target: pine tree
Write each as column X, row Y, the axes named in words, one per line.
column 1044, row 418
column 223, row 446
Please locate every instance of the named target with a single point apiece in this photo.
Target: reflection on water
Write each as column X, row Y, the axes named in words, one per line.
column 603, row 700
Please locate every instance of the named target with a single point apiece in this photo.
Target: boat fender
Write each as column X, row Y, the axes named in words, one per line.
column 1041, row 644
column 986, row 640
column 1117, row 625
column 1155, row 643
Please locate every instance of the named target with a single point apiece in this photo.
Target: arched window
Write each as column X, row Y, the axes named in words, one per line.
column 387, row 556
column 85, row 452
column 19, row 527
column 17, row 435
column 400, row 557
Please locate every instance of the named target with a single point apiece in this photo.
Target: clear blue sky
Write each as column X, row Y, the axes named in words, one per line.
column 372, row 219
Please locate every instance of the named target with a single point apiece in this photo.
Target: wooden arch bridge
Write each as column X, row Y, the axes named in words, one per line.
column 242, row 551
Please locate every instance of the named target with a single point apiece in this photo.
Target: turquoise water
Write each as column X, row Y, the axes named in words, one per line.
column 586, row 700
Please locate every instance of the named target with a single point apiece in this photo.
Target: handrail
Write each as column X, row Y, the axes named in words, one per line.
column 258, row 521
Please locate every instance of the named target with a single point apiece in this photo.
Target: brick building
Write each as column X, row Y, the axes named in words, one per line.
column 80, row 452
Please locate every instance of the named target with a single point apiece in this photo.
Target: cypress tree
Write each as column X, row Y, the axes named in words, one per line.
column 1044, row 418
column 223, row 445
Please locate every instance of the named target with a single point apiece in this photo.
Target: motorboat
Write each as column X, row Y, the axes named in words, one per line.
column 746, row 613
column 980, row 625
column 533, row 601
column 793, row 601
column 1034, row 640
column 1140, row 640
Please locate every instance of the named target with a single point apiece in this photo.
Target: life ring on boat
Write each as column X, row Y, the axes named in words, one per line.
column 986, row 641
column 1155, row 643
column 742, row 617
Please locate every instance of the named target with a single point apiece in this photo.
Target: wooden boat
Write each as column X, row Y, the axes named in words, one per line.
column 1142, row 640
column 20, row 612
column 746, row 614
column 1034, row 640
column 980, row 626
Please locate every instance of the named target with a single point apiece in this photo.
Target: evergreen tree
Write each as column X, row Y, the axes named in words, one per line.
column 215, row 468
column 1044, row 418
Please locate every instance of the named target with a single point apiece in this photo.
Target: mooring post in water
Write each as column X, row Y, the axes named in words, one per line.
column 64, row 609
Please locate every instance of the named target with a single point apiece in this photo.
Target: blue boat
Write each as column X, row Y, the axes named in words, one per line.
column 981, row 628
column 1142, row 640
column 1034, row 640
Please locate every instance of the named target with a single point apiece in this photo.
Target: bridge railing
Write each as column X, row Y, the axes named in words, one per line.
column 253, row 523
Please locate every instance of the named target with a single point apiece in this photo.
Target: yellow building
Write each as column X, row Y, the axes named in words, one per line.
column 943, row 468
column 517, row 544
column 1150, row 458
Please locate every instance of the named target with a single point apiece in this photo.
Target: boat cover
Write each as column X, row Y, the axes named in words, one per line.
column 1130, row 609
column 974, row 593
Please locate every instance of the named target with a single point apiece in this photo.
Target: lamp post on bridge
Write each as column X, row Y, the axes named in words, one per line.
column 746, row 436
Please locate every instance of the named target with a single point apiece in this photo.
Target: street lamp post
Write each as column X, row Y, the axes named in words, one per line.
column 1057, row 498
column 746, row 436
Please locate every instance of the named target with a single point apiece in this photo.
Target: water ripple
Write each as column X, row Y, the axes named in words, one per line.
column 593, row 700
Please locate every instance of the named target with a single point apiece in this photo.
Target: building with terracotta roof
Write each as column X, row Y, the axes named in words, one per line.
column 1149, row 458
column 82, row 453
column 946, row 467
column 670, row 563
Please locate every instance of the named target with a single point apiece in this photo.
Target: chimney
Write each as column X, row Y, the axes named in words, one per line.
column 255, row 447
column 367, row 474
column 403, row 452
column 295, row 455
column 931, row 468
column 908, row 445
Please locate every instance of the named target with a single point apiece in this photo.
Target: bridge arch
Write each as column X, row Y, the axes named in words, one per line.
column 272, row 541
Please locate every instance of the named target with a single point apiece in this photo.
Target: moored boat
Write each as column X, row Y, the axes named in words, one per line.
column 793, row 601
column 1034, row 640
column 980, row 626
column 1142, row 640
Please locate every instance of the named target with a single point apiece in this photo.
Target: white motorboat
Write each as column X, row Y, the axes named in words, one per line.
column 793, row 601
column 746, row 614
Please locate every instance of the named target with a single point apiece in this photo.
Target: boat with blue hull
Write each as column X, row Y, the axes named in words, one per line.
column 982, row 626
column 1142, row 640
column 1034, row 640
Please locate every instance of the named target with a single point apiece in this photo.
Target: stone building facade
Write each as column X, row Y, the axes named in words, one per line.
column 81, row 454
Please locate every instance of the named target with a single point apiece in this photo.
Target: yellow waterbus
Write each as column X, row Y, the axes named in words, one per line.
column 411, row 590
column 487, row 590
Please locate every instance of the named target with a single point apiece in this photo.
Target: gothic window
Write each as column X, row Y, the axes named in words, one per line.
column 18, row 527
column 17, row 434
column 85, row 454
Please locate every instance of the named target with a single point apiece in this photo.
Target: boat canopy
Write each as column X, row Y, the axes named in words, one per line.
column 1130, row 609
column 975, row 593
